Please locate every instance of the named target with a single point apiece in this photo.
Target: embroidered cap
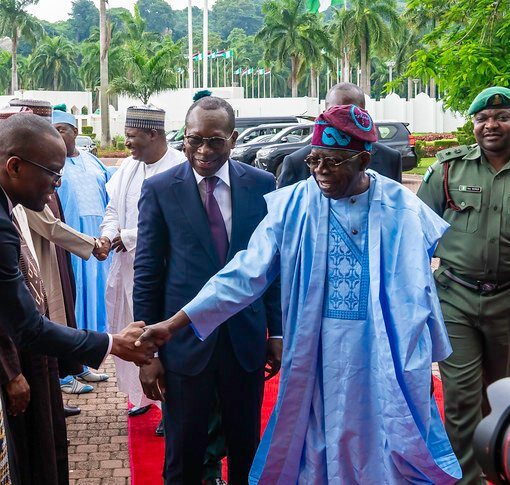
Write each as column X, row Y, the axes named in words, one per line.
column 490, row 98
column 146, row 117
column 38, row 106
column 346, row 127
column 62, row 117
column 8, row 111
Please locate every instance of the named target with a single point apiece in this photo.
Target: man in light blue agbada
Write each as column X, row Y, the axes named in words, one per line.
column 84, row 199
column 362, row 322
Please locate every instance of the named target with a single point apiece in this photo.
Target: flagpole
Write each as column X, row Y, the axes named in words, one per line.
column 252, row 85
column 217, row 73
column 190, row 45
column 232, row 69
column 224, row 72
column 205, row 45
column 270, row 87
column 258, row 84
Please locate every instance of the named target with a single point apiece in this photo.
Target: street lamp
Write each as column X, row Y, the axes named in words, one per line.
column 390, row 65
column 416, row 81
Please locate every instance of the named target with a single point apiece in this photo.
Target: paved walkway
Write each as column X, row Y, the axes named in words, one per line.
column 98, row 451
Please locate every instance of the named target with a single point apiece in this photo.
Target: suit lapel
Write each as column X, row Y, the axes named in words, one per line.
column 240, row 194
column 193, row 208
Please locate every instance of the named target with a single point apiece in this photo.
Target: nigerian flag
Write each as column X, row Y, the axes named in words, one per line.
column 321, row 5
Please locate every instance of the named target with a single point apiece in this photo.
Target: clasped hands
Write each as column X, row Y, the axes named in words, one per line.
column 104, row 246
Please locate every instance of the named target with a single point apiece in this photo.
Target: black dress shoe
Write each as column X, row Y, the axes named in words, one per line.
column 71, row 411
column 136, row 410
column 160, row 430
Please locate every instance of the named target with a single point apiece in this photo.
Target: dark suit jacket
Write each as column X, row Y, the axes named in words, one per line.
column 175, row 257
column 10, row 366
column 385, row 160
column 19, row 315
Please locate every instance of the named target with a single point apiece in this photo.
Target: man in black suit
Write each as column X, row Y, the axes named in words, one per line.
column 193, row 219
column 32, row 155
column 384, row 160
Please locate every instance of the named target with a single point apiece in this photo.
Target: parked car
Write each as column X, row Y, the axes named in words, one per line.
column 270, row 157
column 392, row 133
column 254, row 132
column 87, row 144
column 396, row 135
column 244, row 123
column 246, row 153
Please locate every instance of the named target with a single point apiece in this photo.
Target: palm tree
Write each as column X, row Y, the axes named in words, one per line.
column 53, row 64
column 15, row 22
column 90, row 63
column 291, row 32
column 149, row 72
column 104, row 43
column 365, row 26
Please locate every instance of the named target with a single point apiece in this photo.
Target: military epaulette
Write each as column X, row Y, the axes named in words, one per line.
column 449, row 154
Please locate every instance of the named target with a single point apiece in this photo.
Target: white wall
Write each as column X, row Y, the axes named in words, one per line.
column 424, row 114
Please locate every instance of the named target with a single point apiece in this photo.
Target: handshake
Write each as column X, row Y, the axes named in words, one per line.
column 104, row 246
column 138, row 342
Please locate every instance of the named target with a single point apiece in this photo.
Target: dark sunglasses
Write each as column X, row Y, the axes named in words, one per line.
column 329, row 162
column 214, row 142
column 56, row 175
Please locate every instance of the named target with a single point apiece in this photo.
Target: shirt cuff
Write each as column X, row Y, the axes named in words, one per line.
column 276, row 336
column 109, row 349
column 110, row 234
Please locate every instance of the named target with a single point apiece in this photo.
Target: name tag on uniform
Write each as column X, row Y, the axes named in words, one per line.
column 470, row 188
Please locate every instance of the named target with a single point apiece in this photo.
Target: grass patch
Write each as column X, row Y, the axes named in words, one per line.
column 423, row 164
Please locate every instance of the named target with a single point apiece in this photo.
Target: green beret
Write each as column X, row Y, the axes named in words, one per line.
column 495, row 97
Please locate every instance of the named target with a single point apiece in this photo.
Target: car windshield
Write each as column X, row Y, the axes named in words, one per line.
column 293, row 134
column 83, row 141
column 259, row 139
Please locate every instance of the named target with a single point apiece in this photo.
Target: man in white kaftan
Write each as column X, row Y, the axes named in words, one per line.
column 362, row 322
column 145, row 137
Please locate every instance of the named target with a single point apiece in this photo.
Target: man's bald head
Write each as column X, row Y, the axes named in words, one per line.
column 32, row 154
column 23, row 134
column 345, row 93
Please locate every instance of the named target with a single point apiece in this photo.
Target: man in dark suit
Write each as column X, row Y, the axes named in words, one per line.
column 193, row 219
column 384, row 160
column 32, row 156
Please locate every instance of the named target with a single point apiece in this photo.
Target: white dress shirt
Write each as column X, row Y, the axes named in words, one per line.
column 222, row 194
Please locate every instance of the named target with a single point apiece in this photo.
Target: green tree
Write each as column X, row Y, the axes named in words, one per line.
column 84, row 16
column 366, row 26
column 15, row 23
column 53, row 65
column 149, row 72
column 465, row 53
column 244, row 14
column 290, row 32
column 5, row 71
column 157, row 14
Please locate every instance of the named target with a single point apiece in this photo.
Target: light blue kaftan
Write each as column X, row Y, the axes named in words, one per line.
column 84, row 199
column 354, row 402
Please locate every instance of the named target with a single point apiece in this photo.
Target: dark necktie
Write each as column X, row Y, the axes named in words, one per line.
column 216, row 222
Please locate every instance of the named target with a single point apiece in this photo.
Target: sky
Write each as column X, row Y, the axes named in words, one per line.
column 46, row 10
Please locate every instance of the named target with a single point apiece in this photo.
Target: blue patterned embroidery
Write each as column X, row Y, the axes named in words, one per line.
column 348, row 275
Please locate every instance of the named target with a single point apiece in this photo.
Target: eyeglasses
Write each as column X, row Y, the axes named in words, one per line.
column 214, row 142
column 328, row 162
column 56, row 175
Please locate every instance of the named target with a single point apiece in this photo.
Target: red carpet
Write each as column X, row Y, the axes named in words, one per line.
column 146, row 450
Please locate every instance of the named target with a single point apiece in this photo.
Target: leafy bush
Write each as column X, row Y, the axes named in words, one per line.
column 446, row 143
column 87, row 130
column 433, row 136
column 465, row 134
column 119, row 142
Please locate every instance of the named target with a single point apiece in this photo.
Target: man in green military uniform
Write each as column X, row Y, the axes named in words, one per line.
column 469, row 186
